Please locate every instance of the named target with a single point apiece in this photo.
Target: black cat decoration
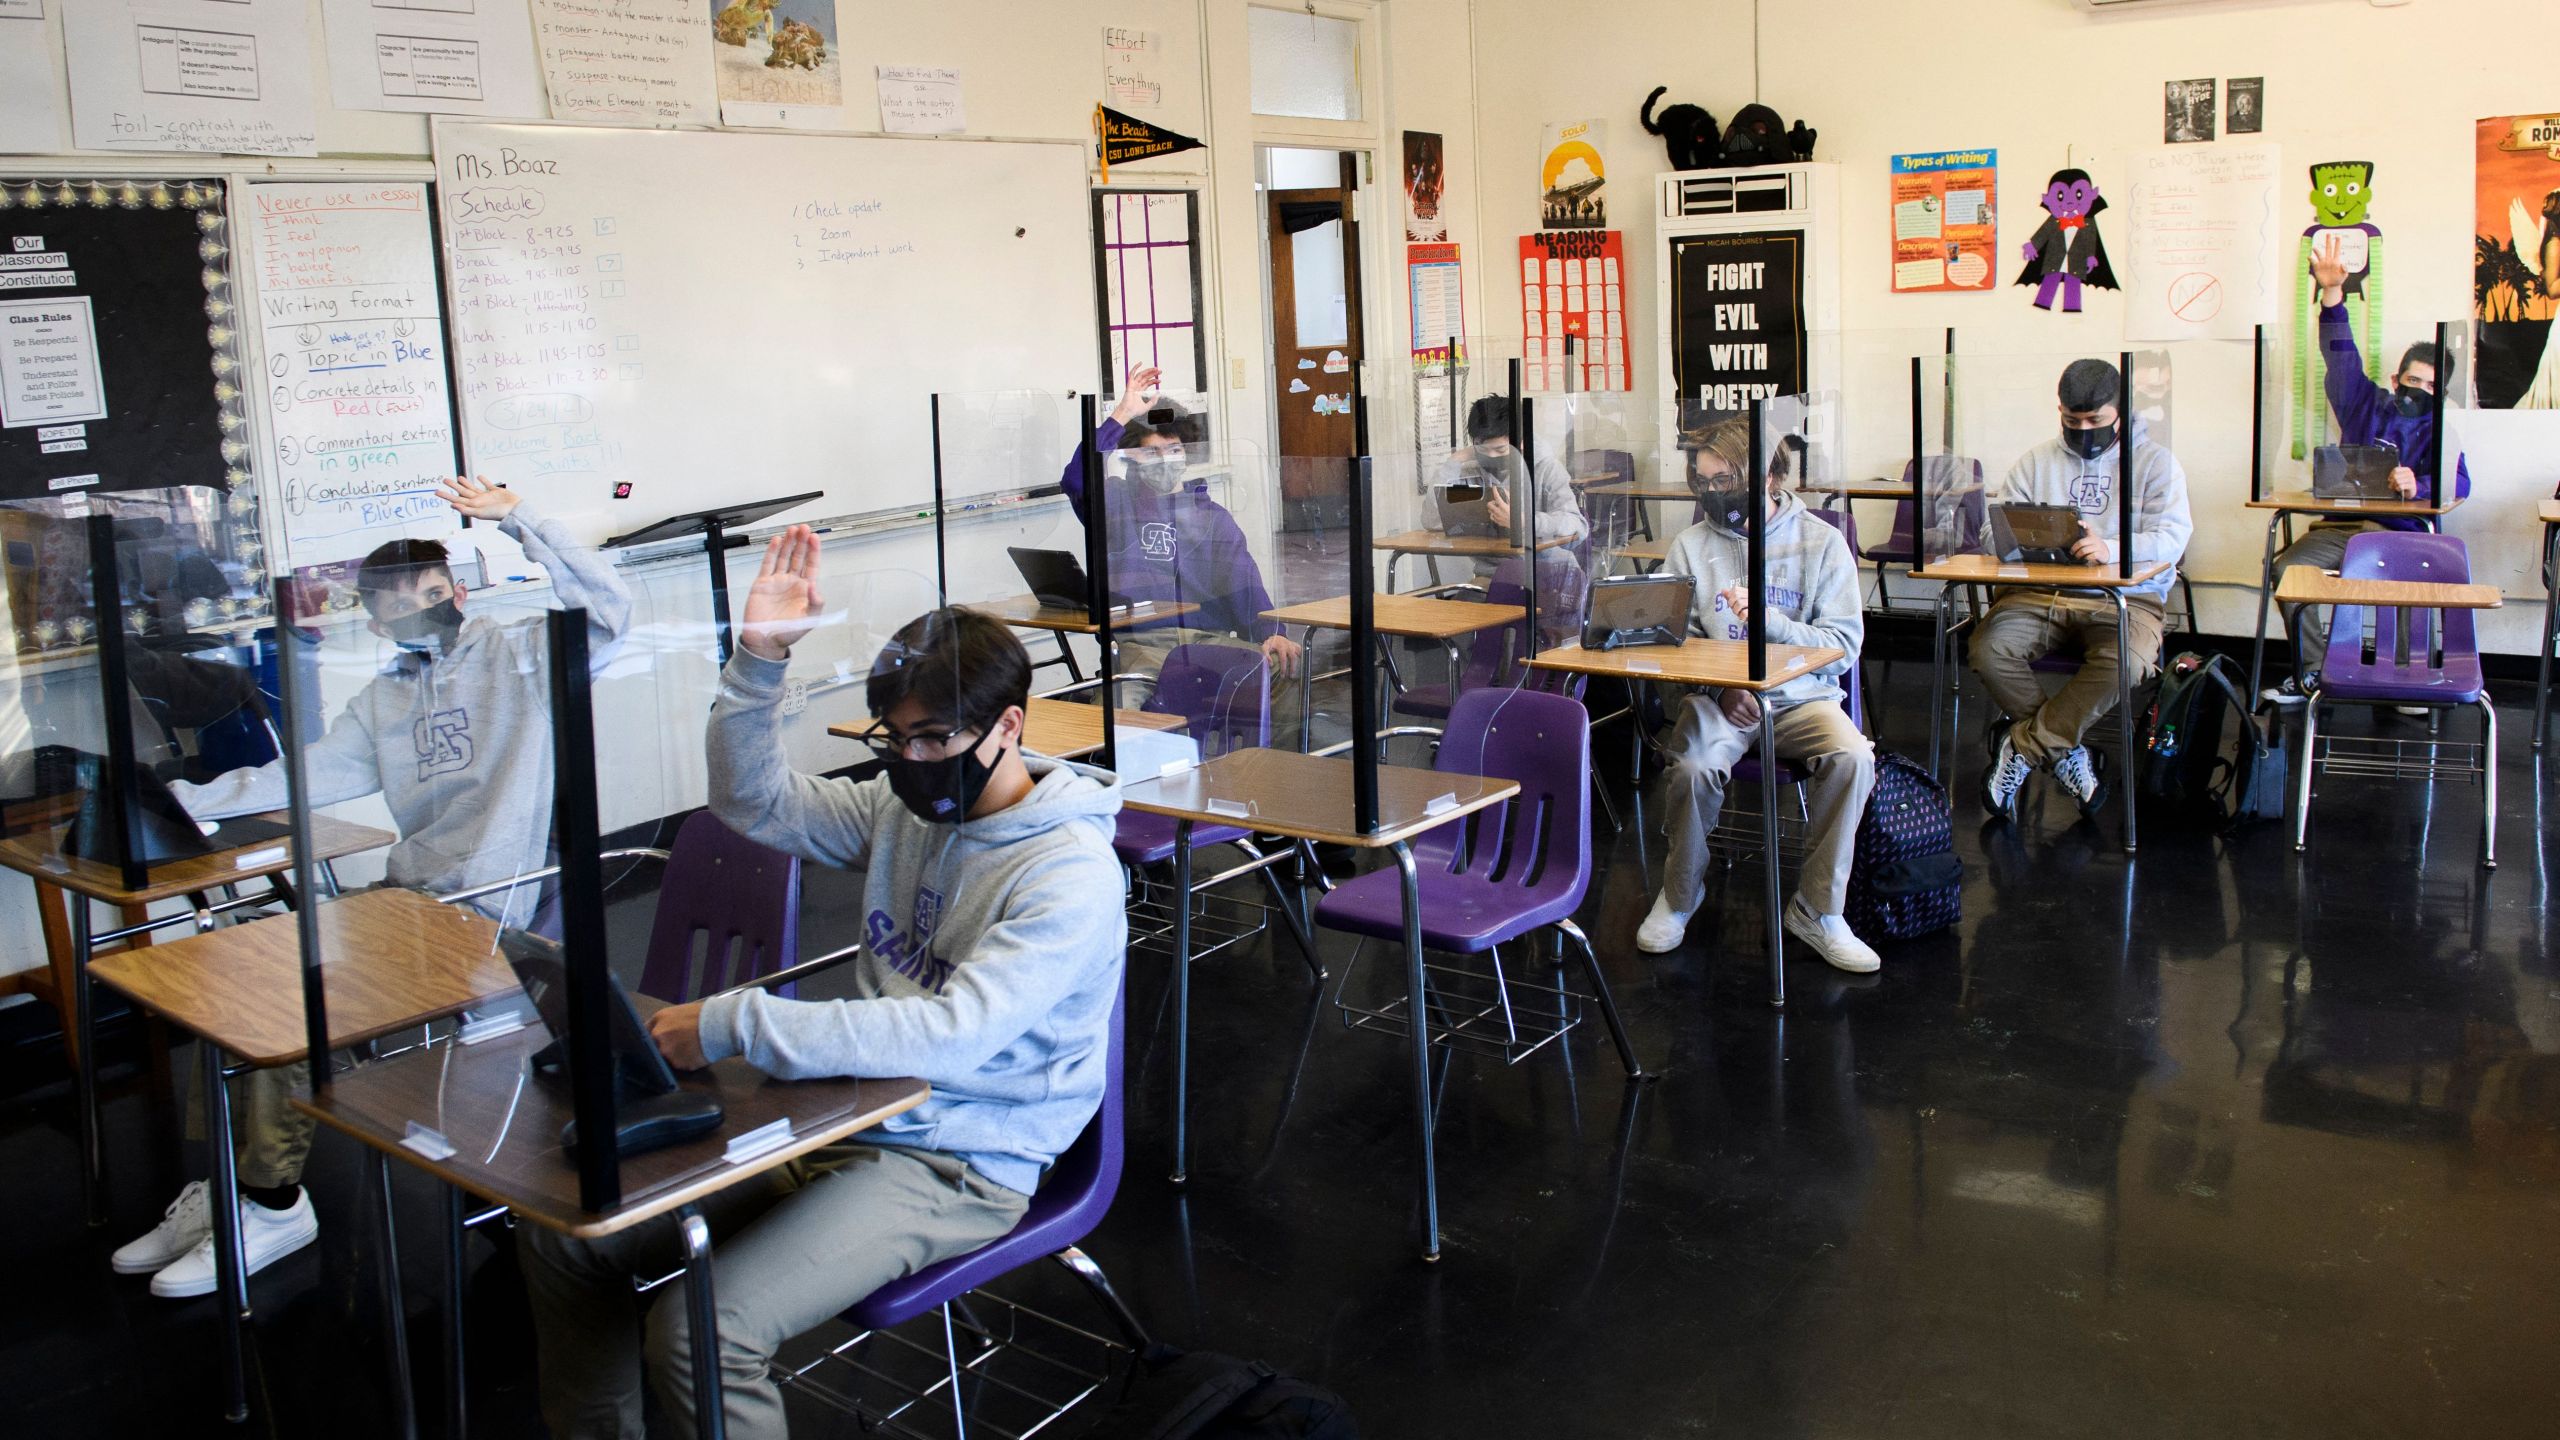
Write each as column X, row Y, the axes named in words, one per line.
column 1688, row 133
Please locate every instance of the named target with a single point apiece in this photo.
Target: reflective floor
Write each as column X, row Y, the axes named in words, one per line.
column 2228, row 1141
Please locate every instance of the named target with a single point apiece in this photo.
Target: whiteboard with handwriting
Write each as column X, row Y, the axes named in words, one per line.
column 652, row 322
column 360, row 422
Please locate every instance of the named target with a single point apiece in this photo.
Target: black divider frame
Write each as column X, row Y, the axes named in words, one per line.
column 1757, row 542
column 1452, row 373
column 2444, row 378
column 574, row 833
column 1364, row 615
column 1919, row 461
column 941, row 561
column 2124, row 465
column 124, row 814
column 2258, row 412
column 1097, row 569
column 306, row 879
column 1525, row 517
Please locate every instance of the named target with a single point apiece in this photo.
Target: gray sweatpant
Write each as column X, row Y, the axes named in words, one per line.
column 1818, row 735
column 2322, row 547
column 792, row 1249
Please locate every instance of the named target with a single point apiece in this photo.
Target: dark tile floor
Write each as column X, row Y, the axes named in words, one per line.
column 2228, row 1141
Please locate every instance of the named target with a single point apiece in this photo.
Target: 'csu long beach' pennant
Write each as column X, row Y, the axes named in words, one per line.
column 1125, row 138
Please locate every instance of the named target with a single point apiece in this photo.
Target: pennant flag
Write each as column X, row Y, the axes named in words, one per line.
column 1125, row 138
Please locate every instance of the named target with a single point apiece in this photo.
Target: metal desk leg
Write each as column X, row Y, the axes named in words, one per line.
column 230, row 1259
column 2550, row 627
column 2124, row 718
column 395, row 1315
column 1937, row 675
column 2266, row 594
column 93, row 1156
column 456, row 1398
column 1421, row 1031
column 710, row 1416
column 1769, row 852
column 1306, row 689
column 1181, row 1002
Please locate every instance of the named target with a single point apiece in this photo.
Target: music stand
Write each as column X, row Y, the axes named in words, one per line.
column 714, row 526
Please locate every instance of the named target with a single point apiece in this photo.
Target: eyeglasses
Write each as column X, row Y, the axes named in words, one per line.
column 922, row 745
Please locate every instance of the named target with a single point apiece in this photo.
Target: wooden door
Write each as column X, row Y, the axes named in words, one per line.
column 1315, row 337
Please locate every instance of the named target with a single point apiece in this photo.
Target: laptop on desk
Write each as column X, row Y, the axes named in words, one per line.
column 2035, row 534
column 1638, row 610
column 1057, row 578
column 2354, row 472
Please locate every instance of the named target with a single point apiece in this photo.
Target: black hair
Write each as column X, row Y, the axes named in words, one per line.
column 1163, row 418
column 2424, row 353
column 400, row 565
column 964, row 668
column 1489, row 417
column 2089, row 385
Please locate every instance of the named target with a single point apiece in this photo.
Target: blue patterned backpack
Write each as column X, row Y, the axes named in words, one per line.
column 1906, row 879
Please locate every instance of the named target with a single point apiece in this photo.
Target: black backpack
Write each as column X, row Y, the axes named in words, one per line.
column 1906, row 879
column 2204, row 757
column 1202, row 1395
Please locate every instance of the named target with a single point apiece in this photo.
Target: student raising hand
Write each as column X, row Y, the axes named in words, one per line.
column 2329, row 272
column 783, row 604
column 476, row 498
column 1138, row 394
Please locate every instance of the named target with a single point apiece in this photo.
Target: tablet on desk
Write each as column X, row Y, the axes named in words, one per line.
column 2354, row 472
column 2035, row 534
column 650, row 1110
column 1465, row 509
column 1638, row 610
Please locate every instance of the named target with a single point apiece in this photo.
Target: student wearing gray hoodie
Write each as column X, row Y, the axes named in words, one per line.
column 1812, row 599
column 992, row 956
column 455, row 735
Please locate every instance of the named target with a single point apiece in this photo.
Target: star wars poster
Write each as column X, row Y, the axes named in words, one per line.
column 1572, row 179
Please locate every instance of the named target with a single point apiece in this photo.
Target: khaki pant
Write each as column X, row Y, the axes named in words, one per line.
column 2322, row 547
column 794, row 1248
column 2027, row 625
column 1817, row 735
column 269, row 1136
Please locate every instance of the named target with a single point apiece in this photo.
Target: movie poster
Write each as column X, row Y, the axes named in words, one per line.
column 1425, row 176
column 1572, row 177
column 2515, row 285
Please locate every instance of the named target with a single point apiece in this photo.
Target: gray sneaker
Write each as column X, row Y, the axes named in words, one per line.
column 2078, row 772
column 2006, row 776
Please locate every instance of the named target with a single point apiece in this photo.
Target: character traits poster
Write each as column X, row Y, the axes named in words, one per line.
column 1946, row 230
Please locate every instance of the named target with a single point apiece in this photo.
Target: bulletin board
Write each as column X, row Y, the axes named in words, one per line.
column 1146, row 272
column 119, row 360
column 1573, row 283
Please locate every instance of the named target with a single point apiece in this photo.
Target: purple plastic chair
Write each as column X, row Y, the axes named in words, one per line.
column 1560, row 592
column 2424, row 657
column 736, row 898
column 1072, row 1199
column 1503, row 872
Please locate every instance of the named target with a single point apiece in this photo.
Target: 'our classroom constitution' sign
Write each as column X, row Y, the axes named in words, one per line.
column 1737, row 311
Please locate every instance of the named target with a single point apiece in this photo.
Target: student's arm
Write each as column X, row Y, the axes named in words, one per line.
column 341, row 767
column 2355, row 400
column 581, row 576
column 1834, row 613
column 1559, row 512
column 1062, row 923
column 1106, row 436
column 755, row 791
column 1238, row 574
column 2161, row 522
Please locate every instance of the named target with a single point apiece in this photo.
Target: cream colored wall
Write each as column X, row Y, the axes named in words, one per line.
column 2035, row 79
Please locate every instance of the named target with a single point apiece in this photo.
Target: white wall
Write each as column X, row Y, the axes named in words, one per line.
column 2030, row 78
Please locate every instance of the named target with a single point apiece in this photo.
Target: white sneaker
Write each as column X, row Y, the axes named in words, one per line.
column 2006, row 777
column 2077, row 769
column 182, row 1227
column 1663, row 928
column 267, row 1235
column 1831, row 938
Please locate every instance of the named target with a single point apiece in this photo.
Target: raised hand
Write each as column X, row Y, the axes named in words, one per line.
column 2329, row 270
column 783, row 604
column 476, row 498
column 1140, row 392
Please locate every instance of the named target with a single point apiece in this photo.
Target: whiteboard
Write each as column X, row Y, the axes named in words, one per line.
column 360, row 424
column 705, row 318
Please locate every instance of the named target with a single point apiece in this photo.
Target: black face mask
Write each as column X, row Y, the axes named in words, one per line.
column 941, row 792
column 1729, row 510
column 429, row 631
column 2411, row 401
column 2089, row 444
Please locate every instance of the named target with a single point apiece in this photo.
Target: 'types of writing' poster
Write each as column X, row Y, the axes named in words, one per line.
column 362, row 415
column 636, row 60
column 231, row 76
column 451, row 57
column 1946, row 229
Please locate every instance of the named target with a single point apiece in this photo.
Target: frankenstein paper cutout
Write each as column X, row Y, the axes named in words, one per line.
column 2341, row 193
